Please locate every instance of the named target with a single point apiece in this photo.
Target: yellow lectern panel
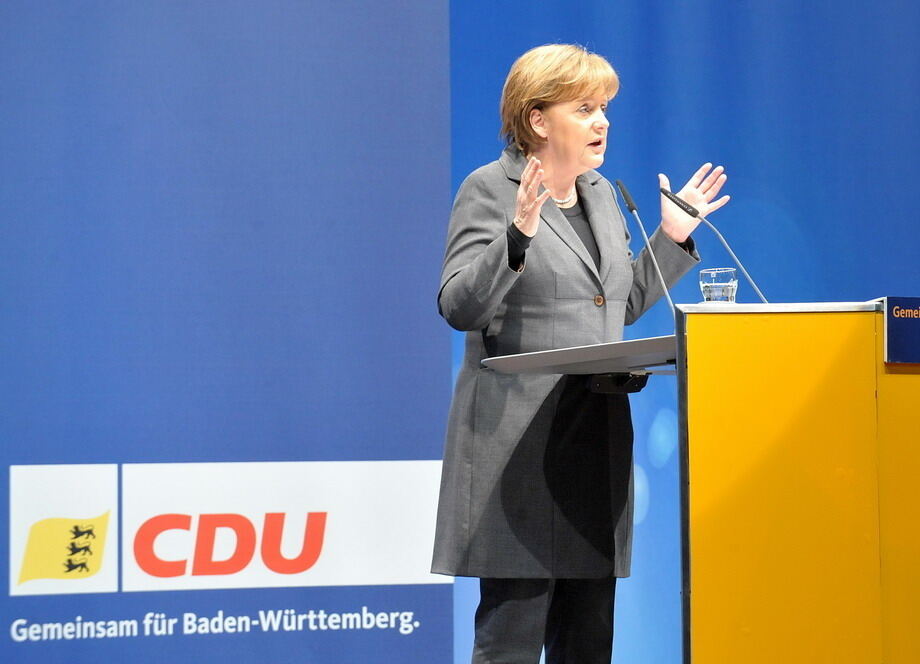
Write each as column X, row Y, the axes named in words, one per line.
column 899, row 505
column 783, row 493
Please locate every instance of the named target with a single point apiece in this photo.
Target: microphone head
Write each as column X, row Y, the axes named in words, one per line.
column 682, row 204
column 624, row 192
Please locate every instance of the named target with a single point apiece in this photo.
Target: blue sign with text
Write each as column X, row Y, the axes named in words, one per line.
column 902, row 330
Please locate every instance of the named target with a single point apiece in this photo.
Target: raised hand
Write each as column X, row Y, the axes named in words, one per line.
column 699, row 192
column 529, row 198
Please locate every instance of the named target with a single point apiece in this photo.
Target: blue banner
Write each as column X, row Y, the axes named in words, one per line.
column 902, row 330
column 224, row 378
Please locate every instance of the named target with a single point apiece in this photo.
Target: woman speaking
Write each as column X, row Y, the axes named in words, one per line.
column 537, row 484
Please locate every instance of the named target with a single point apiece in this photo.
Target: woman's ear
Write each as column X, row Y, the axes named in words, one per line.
column 538, row 122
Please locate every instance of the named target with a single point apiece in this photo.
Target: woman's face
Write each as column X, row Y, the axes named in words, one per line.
column 575, row 132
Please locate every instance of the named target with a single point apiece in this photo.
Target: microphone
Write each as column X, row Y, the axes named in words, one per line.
column 631, row 205
column 693, row 212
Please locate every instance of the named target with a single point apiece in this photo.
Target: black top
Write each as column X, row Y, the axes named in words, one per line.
column 579, row 221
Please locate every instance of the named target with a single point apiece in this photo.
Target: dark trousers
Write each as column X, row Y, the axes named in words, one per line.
column 573, row 618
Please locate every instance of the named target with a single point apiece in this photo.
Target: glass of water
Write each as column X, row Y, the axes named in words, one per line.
column 719, row 284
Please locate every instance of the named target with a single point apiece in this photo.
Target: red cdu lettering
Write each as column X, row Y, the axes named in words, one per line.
column 203, row 557
column 272, row 530
column 144, row 540
column 204, row 563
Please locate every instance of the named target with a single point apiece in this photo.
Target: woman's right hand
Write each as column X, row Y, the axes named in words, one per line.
column 529, row 200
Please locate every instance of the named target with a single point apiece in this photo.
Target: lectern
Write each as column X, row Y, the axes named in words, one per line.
column 800, row 479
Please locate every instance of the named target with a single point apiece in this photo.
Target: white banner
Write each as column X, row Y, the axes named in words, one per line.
column 274, row 524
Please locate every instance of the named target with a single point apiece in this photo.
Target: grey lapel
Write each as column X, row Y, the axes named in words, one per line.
column 592, row 191
column 513, row 163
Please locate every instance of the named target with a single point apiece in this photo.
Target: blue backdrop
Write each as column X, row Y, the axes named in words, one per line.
column 219, row 221
column 223, row 224
column 812, row 109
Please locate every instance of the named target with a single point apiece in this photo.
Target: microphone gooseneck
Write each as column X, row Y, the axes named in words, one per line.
column 693, row 212
column 648, row 245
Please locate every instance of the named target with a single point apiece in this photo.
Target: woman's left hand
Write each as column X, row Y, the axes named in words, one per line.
column 698, row 192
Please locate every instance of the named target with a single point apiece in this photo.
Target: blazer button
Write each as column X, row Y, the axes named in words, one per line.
column 599, row 300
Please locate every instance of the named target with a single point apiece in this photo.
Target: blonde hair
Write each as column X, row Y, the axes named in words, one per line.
column 546, row 75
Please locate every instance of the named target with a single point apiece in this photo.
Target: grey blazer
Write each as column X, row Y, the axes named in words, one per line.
column 496, row 516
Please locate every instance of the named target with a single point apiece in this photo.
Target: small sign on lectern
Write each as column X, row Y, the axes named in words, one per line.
column 902, row 330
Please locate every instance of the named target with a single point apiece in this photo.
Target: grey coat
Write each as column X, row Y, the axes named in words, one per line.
column 499, row 515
